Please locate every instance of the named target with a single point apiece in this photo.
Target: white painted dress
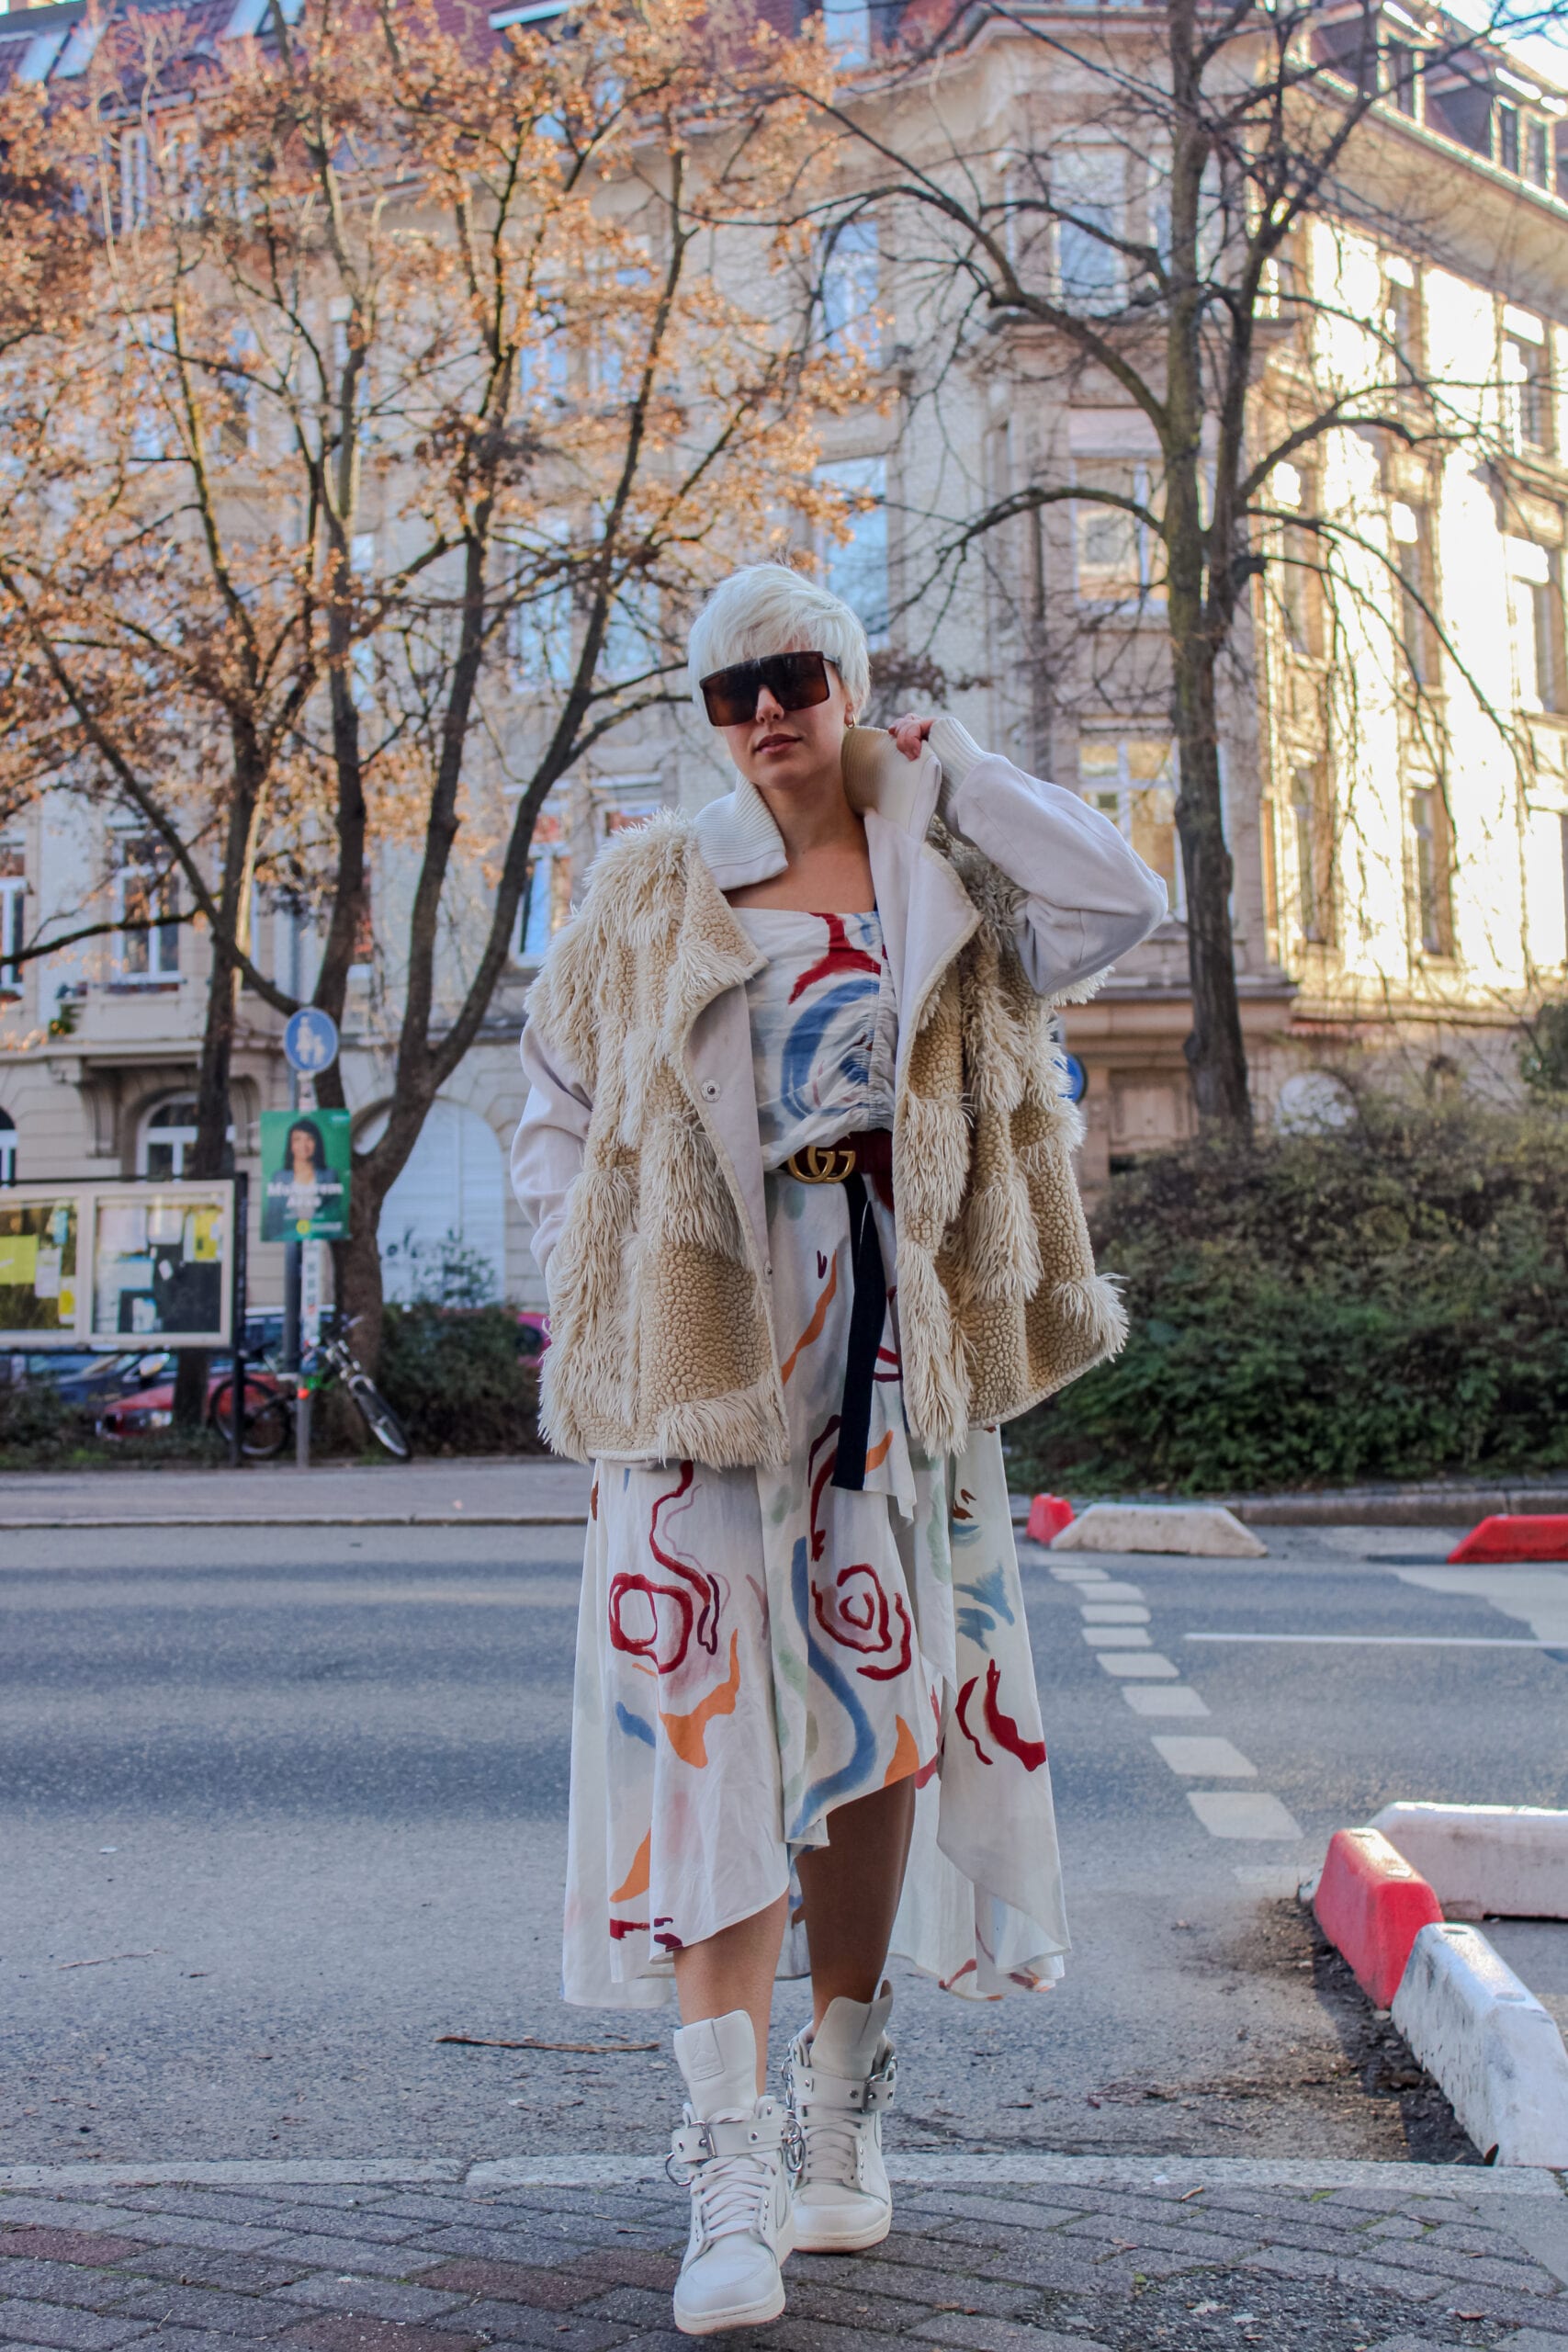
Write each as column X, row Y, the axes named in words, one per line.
column 758, row 1647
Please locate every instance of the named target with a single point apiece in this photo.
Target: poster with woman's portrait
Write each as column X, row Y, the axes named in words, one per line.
column 306, row 1158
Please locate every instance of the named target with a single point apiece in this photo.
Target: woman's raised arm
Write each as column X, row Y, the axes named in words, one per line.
column 1088, row 898
column 547, row 1150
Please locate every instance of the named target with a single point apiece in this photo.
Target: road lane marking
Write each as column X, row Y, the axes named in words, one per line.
column 1205, row 1758
column 1173, row 1699
column 1112, row 1612
column 321, row 1592
column 1108, row 1591
column 1242, row 1813
column 1146, row 1663
column 1116, row 1637
column 1391, row 1641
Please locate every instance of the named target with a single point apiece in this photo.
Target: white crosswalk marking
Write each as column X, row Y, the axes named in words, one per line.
column 1242, row 1813
column 1205, row 1758
column 1173, row 1699
column 1112, row 1612
column 1146, row 1664
column 1115, row 1638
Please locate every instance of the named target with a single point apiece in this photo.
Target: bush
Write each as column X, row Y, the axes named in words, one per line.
column 39, row 1430
column 452, row 1376
column 1386, row 1300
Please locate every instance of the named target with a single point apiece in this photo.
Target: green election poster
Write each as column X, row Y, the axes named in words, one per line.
column 306, row 1160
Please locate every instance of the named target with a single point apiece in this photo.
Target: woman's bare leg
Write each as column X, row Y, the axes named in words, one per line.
column 735, row 1970
column 851, row 1887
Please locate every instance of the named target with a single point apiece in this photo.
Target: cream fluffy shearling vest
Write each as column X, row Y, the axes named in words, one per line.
column 663, row 1342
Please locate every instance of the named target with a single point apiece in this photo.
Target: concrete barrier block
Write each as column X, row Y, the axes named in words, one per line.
column 1490, row 2044
column 1516, row 1535
column 1205, row 1529
column 1508, row 1860
column 1371, row 1904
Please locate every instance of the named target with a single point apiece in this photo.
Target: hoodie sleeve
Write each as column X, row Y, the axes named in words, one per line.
column 1088, row 896
column 547, row 1150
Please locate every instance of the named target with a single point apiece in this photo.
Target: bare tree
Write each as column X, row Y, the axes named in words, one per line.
column 413, row 411
column 1112, row 209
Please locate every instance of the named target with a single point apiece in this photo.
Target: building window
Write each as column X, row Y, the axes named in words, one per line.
column 13, row 904
column 1551, row 666
column 1116, row 550
column 1300, row 567
column 1399, row 76
column 538, row 625
column 1411, row 532
column 1406, row 327
column 1430, row 861
column 145, row 894
column 1508, row 138
column 1527, row 389
column 856, row 570
column 546, row 895
column 7, row 1148
column 1132, row 780
column 850, row 267
column 1089, row 194
column 168, row 1138
column 1312, row 856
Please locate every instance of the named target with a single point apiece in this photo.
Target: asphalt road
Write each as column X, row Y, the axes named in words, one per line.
column 279, row 1808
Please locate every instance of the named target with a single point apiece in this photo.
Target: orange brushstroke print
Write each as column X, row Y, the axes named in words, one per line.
column 905, row 1762
column 687, row 1735
column 814, row 1328
column 636, row 1881
column 876, row 1454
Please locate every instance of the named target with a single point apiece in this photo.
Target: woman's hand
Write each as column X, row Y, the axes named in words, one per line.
column 910, row 733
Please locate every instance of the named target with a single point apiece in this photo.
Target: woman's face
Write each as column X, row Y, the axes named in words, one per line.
column 788, row 751
column 304, row 1152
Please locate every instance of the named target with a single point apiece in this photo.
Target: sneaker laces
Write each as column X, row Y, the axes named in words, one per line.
column 732, row 2193
column 832, row 2146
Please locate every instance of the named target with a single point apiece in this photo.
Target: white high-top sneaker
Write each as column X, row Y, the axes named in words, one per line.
column 840, row 2079
column 734, row 2151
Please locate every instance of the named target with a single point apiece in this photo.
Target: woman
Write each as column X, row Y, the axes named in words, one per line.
column 798, row 1166
column 302, row 1189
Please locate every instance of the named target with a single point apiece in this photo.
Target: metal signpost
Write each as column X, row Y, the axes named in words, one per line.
column 310, row 1046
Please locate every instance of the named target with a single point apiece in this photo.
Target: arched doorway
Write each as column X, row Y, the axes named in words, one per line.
column 442, row 1230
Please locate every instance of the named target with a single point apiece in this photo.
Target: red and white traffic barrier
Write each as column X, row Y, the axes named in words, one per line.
column 1516, row 1535
column 1479, row 2033
column 1371, row 1906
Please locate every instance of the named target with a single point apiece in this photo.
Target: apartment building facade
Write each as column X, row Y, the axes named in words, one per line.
column 1395, row 753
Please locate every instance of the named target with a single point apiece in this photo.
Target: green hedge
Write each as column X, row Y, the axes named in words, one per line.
column 1386, row 1300
column 452, row 1376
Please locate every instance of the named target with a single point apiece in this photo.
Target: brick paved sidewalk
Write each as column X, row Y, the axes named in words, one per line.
column 1409, row 2259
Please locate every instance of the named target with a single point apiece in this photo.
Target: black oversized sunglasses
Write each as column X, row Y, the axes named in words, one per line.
column 796, row 681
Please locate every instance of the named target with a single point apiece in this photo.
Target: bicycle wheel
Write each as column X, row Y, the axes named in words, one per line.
column 380, row 1419
column 269, row 1419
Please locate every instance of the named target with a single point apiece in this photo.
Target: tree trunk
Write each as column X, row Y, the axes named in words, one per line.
column 356, row 1272
column 209, row 1154
column 1216, row 1053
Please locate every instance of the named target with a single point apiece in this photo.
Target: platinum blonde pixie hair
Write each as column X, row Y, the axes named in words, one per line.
column 768, row 608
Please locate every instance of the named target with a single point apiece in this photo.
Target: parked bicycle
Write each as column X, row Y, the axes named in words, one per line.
column 268, row 1425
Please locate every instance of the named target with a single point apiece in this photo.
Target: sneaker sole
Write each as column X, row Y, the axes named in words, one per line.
column 739, row 2315
column 851, row 2242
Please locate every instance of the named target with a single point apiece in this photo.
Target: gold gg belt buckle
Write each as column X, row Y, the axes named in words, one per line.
column 822, row 1163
